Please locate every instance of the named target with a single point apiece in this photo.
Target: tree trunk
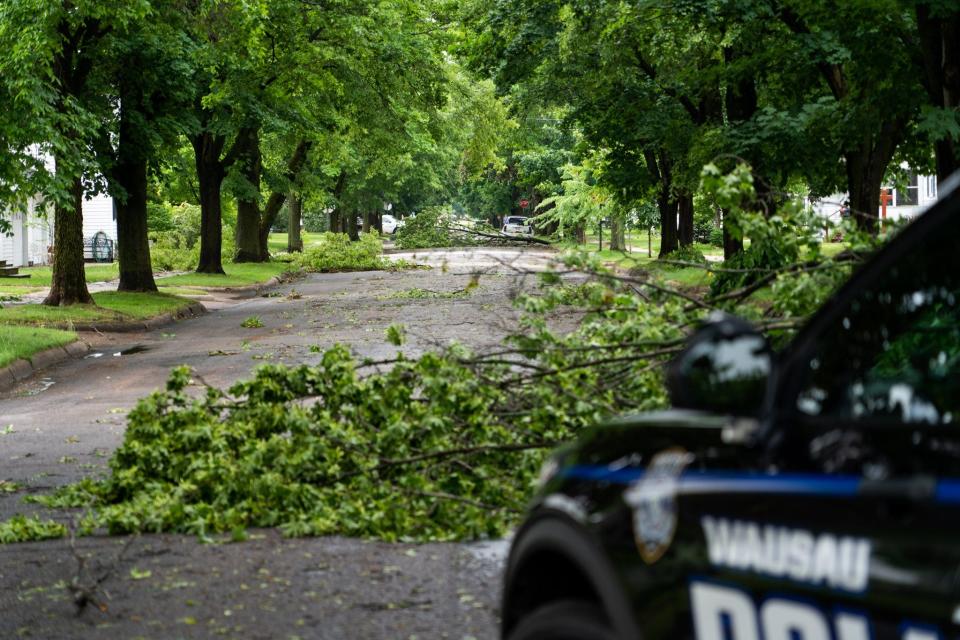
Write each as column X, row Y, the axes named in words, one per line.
column 864, row 178
column 618, row 240
column 210, row 174
column 732, row 245
column 133, row 244
column 378, row 222
column 366, row 221
column 649, row 242
column 335, row 221
column 580, row 233
column 685, row 214
column 940, row 48
column 294, row 211
column 668, row 224
column 71, row 66
column 69, row 283
column 130, row 176
column 248, row 206
column 353, row 229
column 277, row 199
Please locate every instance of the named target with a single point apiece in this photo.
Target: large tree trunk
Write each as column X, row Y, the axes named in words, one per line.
column 210, row 174
column 660, row 169
column 69, row 282
column 940, row 47
column 580, row 233
column 129, row 177
column 278, row 198
column 864, row 178
column 866, row 166
column 133, row 251
column 732, row 245
column 618, row 240
column 685, row 215
column 334, row 221
column 669, row 236
column 366, row 221
column 378, row 222
column 71, row 66
column 294, row 216
column 248, row 206
column 353, row 229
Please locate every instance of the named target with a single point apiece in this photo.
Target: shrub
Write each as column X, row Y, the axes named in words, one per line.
column 430, row 228
column 716, row 237
column 337, row 253
column 688, row 253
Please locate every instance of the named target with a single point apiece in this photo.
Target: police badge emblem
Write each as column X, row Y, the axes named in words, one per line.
column 653, row 500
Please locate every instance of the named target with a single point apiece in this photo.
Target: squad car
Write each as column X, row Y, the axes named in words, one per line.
column 808, row 494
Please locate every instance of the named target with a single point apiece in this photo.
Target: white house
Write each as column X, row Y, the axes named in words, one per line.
column 31, row 236
column 919, row 193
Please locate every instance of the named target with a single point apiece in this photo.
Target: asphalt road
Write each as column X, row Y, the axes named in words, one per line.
column 63, row 424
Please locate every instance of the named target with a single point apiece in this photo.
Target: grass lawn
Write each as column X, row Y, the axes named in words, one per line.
column 40, row 276
column 277, row 243
column 181, row 291
column 111, row 306
column 238, row 275
column 23, row 342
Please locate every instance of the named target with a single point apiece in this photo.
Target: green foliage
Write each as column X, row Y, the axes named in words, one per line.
column 581, row 202
column 417, row 293
column 687, row 254
column 22, row 528
column 396, row 334
column 253, row 322
column 336, row 252
column 443, row 447
column 430, row 228
column 175, row 244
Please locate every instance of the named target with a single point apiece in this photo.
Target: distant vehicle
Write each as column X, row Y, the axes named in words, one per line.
column 811, row 493
column 390, row 224
column 517, row 226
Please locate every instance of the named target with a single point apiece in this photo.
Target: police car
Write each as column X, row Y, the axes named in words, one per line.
column 811, row 494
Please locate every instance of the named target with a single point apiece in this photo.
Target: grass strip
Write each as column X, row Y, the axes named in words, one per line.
column 237, row 275
column 24, row 342
column 111, row 306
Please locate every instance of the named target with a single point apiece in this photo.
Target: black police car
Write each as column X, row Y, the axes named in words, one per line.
column 812, row 494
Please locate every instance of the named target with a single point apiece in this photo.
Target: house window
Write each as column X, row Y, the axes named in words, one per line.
column 931, row 184
column 911, row 194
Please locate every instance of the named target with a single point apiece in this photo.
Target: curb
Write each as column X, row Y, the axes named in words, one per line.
column 191, row 311
column 24, row 368
column 252, row 289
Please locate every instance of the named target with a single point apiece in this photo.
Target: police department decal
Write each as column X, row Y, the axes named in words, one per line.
column 653, row 499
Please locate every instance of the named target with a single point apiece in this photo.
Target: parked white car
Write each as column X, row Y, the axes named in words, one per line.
column 390, row 224
column 517, row 226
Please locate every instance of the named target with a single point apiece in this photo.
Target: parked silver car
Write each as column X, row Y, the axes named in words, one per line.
column 517, row 226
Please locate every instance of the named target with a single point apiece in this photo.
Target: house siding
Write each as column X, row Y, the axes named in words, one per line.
column 98, row 215
column 32, row 234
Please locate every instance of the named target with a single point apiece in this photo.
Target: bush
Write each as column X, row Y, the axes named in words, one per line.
column 337, row 253
column 175, row 237
column 688, row 253
column 430, row 228
column 716, row 237
column 172, row 251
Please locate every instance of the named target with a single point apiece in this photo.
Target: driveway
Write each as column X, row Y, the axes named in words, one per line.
column 64, row 423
